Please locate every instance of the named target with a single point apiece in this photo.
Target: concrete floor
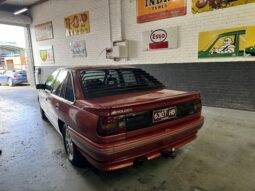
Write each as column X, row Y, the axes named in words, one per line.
column 33, row 158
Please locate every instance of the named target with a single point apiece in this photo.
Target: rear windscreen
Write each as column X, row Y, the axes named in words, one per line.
column 20, row 72
column 104, row 82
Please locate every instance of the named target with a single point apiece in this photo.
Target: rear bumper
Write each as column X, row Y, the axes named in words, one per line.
column 114, row 156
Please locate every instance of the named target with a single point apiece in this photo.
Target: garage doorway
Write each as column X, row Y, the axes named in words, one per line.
column 15, row 55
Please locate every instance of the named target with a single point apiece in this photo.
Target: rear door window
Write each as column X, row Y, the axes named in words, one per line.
column 69, row 92
column 21, row 72
column 62, row 91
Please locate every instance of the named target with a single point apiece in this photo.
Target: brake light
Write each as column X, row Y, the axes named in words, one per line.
column 111, row 125
column 197, row 106
column 14, row 76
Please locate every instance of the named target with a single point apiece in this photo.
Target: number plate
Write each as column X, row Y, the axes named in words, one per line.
column 164, row 114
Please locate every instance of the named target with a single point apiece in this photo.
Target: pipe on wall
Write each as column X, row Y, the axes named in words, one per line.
column 110, row 20
column 121, row 20
column 121, row 23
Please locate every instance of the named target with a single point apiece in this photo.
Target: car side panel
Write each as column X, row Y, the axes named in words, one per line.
column 52, row 110
column 3, row 79
column 75, row 117
column 43, row 96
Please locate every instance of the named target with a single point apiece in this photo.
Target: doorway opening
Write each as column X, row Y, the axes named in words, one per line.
column 14, row 64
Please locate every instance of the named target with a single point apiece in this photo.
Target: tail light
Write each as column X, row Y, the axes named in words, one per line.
column 111, row 125
column 197, row 106
column 14, row 76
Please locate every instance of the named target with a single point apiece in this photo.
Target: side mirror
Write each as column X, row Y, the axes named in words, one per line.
column 40, row 86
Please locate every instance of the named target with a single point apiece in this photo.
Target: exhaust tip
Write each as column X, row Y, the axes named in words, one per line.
column 139, row 162
column 169, row 153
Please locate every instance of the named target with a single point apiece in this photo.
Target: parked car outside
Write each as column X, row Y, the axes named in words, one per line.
column 115, row 116
column 2, row 71
column 13, row 77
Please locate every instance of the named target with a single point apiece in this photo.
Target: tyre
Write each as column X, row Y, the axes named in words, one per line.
column 10, row 82
column 43, row 116
column 73, row 154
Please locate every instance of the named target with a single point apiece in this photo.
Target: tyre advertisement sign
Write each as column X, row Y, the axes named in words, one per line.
column 199, row 6
column 160, row 39
column 151, row 10
column 227, row 42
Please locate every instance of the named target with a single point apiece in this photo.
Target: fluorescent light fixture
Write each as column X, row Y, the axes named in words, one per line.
column 20, row 11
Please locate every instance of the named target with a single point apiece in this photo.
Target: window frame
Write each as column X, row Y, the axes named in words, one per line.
column 52, row 85
column 64, row 86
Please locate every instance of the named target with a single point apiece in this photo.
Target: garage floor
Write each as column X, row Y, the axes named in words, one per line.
column 33, row 158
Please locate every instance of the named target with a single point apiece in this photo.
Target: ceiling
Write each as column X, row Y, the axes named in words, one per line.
column 14, row 5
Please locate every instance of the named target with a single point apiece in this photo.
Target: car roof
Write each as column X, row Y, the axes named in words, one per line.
column 76, row 68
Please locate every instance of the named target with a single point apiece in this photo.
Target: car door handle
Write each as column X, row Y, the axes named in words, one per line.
column 57, row 106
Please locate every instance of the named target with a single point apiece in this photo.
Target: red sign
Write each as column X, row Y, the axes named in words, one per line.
column 151, row 10
column 158, row 38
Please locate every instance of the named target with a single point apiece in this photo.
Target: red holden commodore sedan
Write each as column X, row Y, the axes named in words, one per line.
column 115, row 116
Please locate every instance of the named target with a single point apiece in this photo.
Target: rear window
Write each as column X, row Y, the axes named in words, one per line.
column 20, row 72
column 104, row 82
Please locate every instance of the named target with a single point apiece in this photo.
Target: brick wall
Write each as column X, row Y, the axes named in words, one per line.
column 229, row 84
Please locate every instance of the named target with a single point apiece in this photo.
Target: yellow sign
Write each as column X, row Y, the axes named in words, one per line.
column 151, row 10
column 199, row 6
column 227, row 42
column 43, row 54
column 77, row 24
column 47, row 55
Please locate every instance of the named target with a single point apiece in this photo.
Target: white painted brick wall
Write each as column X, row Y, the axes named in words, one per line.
column 99, row 37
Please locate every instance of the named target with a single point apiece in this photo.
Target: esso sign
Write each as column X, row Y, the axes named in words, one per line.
column 159, row 35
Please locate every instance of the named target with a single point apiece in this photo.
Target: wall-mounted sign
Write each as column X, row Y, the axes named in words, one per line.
column 78, row 48
column 151, row 10
column 44, row 31
column 160, row 39
column 227, row 42
column 199, row 6
column 46, row 54
column 77, row 24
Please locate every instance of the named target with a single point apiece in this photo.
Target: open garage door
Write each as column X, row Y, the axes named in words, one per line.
column 15, row 61
column 14, row 12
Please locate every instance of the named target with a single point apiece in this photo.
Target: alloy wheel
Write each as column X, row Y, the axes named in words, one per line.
column 69, row 144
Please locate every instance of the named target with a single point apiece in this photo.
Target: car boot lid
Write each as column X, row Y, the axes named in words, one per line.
column 129, row 102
